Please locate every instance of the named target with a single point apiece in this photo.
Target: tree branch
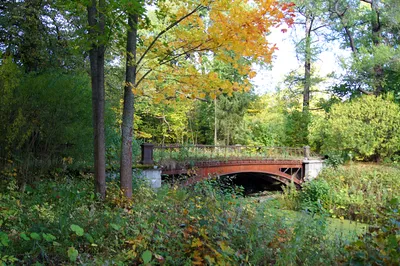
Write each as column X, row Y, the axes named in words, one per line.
column 364, row 91
column 346, row 29
column 319, row 27
column 169, row 60
column 367, row 1
column 166, row 30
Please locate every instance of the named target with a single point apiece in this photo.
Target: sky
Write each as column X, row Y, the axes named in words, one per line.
column 285, row 60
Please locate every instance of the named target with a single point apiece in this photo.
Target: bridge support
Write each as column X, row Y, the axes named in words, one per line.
column 312, row 168
column 153, row 176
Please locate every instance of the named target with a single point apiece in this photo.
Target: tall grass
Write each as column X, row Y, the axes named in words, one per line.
column 356, row 191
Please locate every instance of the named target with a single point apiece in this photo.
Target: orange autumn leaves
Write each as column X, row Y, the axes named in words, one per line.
column 223, row 30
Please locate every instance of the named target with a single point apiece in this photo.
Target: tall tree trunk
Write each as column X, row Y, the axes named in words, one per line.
column 128, row 111
column 96, row 54
column 307, row 64
column 376, row 40
column 215, row 122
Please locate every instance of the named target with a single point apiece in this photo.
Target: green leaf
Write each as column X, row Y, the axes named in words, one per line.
column 49, row 237
column 115, row 226
column 24, row 237
column 77, row 229
column 151, row 219
column 35, row 236
column 146, row 256
column 4, row 239
column 89, row 238
column 72, row 254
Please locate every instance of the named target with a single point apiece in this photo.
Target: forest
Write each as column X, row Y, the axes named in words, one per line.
column 83, row 83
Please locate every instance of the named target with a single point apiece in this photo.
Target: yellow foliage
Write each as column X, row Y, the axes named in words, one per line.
column 175, row 61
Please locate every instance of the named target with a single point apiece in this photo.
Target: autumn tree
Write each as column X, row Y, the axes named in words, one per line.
column 227, row 31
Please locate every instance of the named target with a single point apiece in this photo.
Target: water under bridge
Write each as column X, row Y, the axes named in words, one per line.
column 198, row 162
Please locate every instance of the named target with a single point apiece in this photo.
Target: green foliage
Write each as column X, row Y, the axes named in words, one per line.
column 336, row 158
column 206, row 223
column 368, row 126
column 296, row 129
column 72, row 254
column 381, row 245
column 230, row 112
column 264, row 122
column 77, row 229
column 48, row 116
column 357, row 192
column 146, row 256
column 315, row 195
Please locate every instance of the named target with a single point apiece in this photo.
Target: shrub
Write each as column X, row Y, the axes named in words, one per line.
column 336, row 158
column 315, row 195
column 368, row 126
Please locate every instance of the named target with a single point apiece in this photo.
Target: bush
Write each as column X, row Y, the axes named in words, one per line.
column 315, row 195
column 368, row 126
column 45, row 117
column 336, row 158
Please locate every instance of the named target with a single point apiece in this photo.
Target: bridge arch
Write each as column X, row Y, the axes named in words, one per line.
column 254, row 182
column 282, row 171
column 283, row 178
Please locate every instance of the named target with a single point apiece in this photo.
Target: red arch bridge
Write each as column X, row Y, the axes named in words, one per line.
column 284, row 164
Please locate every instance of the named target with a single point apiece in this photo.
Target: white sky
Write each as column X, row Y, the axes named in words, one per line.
column 285, row 60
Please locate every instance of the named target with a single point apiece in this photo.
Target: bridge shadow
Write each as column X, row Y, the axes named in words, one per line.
column 256, row 182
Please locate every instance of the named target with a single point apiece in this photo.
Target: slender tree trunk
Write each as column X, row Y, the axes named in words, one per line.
column 215, row 122
column 307, row 64
column 128, row 111
column 376, row 40
column 96, row 54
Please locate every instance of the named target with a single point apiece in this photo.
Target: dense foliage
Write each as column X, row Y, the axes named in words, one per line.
column 61, row 221
column 45, row 116
column 367, row 127
column 359, row 192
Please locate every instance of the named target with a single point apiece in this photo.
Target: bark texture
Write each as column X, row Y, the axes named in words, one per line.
column 96, row 21
column 128, row 109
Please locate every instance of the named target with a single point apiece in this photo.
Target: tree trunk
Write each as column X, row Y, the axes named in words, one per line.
column 376, row 40
column 215, row 122
column 128, row 111
column 307, row 64
column 96, row 54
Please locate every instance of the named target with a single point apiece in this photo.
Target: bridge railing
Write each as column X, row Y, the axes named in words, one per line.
column 186, row 154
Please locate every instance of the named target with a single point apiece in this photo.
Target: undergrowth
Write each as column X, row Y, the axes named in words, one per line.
column 358, row 192
column 61, row 221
